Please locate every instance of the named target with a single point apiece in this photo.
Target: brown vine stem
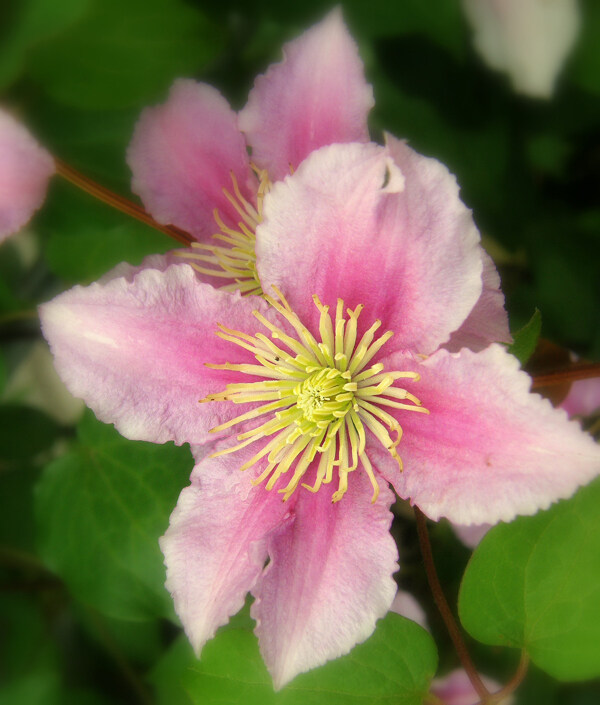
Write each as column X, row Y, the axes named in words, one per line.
column 444, row 608
column 512, row 684
column 572, row 373
column 119, row 202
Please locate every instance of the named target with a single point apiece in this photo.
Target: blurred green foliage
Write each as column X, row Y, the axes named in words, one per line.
column 79, row 72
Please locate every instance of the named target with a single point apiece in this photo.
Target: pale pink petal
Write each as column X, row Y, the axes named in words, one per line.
column 488, row 321
column 527, row 39
column 134, row 350
column 328, row 581
column 583, row 398
column 407, row 606
column 24, row 172
column 182, row 155
column 342, row 226
column 489, row 449
column 316, row 96
column 471, row 535
column 216, row 544
column 456, row 689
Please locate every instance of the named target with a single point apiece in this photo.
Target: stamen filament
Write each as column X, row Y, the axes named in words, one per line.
column 321, row 399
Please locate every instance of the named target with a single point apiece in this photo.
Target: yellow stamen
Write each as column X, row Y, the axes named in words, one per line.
column 238, row 261
column 322, row 398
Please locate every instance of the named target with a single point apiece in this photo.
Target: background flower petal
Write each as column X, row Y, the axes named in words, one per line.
column 583, row 398
column 134, row 350
column 489, row 449
column 25, row 168
column 182, row 155
column 317, row 96
column 328, row 581
column 342, row 226
column 455, row 688
column 527, row 39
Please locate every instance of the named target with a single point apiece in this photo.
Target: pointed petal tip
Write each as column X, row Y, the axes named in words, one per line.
column 490, row 450
column 351, row 583
column 316, row 95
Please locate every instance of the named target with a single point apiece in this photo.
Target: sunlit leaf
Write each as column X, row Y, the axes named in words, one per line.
column 535, row 584
column 396, row 665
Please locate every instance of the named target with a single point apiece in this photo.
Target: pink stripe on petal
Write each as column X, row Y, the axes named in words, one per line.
column 489, row 449
column 182, row 155
column 216, row 543
column 316, row 96
column 24, row 172
column 134, row 350
column 348, row 225
column 329, row 579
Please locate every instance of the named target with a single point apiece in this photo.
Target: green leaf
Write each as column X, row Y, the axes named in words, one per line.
column 525, row 339
column 395, row 665
column 87, row 239
column 101, row 510
column 118, row 56
column 26, row 23
column 535, row 584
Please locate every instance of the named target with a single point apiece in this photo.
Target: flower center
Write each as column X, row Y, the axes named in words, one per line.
column 322, row 398
column 318, row 395
column 237, row 259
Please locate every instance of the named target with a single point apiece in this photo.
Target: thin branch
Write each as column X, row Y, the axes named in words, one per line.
column 444, row 608
column 119, row 202
column 513, row 683
column 572, row 373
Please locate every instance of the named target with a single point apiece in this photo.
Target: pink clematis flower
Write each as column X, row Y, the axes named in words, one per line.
column 319, row 396
column 189, row 157
column 25, row 168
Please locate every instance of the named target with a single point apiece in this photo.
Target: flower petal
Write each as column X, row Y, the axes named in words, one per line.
column 583, row 398
column 406, row 605
column 455, row 688
column 24, row 172
column 488, row 321
column 342, row 226
column 134, row 350
column 316, row 96
column 328, row 581
column 472, row 534
column 216, row 543
column 182, row 155
column 488, row 450
column 528, row 39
